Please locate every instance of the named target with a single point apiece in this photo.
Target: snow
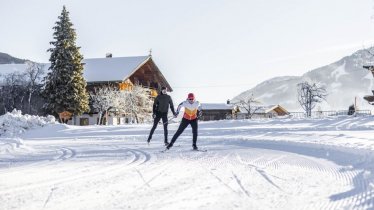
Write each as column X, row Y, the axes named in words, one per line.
column 283, row 88
column 339, row 71
column 13, row 124
column 250, row 164
column 266, row 95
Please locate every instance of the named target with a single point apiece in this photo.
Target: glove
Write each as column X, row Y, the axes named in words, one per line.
column 153, row 115
column 200, row 114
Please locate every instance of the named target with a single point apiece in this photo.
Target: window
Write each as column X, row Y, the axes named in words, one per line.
column 83, row 121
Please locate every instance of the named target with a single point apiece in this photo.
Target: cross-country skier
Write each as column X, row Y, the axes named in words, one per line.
column 160, row 111
column 192, row 110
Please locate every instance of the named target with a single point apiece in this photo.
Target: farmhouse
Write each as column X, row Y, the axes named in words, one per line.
column 123, row 72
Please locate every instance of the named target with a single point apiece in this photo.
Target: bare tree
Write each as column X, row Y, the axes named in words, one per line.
column 309, row 95
column 132, row 104
column 248, row 104
column 33, row 74
column 13, row 91
column 102, row 99
column 135, row 103
column 140, row 103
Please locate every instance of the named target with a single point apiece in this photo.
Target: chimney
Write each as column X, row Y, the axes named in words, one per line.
column 228, row 101
column 108, row 55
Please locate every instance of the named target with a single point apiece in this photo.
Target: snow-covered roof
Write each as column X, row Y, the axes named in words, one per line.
column 216, row 106
column 111, row 69
column 264, row 109
column 95, row 69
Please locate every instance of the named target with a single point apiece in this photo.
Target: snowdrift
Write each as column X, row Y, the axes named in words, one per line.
column 13, row 124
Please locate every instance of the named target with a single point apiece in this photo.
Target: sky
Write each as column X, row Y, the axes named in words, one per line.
column 213, row 48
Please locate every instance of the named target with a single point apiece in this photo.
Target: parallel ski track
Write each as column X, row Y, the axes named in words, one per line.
column 138, row 157
column 270, row 168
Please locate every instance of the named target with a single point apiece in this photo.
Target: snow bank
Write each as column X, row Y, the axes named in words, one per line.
column 13, row 124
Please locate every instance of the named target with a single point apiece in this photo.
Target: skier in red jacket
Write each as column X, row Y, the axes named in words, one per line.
column 192, row 110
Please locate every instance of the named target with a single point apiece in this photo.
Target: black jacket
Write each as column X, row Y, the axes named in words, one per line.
column 161, row 104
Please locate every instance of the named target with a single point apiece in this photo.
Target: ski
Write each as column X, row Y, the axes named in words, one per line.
column 164, row 151
column 200, row 150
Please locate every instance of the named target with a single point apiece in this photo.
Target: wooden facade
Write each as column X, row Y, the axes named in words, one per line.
column 148, row 75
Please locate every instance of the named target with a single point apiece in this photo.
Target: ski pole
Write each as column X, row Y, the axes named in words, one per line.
column 168, row 120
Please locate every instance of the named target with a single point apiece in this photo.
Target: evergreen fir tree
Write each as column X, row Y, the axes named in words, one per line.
column 65, row 87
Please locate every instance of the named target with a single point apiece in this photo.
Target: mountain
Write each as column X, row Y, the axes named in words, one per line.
column 344, row 80
column 8, row 59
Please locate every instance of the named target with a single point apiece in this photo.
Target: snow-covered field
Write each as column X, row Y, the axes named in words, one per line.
column 259, row 164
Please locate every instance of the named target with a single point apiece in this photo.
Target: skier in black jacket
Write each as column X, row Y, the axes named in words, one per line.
column 160, row 111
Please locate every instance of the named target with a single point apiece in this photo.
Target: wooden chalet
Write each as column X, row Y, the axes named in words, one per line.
column 269, row 111
column 124, row 72
column 216, row 111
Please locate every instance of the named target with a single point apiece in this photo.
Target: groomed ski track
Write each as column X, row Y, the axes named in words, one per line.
column 268, row 164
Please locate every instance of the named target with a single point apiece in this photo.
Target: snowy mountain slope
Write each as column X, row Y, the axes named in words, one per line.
column 344, row 80
column 8, row 59
column 250, row 164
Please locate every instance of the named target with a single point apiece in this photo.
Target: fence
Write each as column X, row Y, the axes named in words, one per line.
column 322, row 114
column 315, row 114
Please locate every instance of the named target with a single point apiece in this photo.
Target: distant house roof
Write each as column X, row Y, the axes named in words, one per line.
column 216, row 106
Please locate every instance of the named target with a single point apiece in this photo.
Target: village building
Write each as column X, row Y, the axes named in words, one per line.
column 268, row 111
column 216, row 111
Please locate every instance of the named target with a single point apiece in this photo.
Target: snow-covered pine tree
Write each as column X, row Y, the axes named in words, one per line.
column 65, row 87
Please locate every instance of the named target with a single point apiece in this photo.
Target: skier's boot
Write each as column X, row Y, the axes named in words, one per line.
column 194, row 147
column 166, row 142
column 148, row 140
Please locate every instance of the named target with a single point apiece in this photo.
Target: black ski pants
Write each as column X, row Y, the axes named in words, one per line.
column 164, row 117
column 181, row 128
